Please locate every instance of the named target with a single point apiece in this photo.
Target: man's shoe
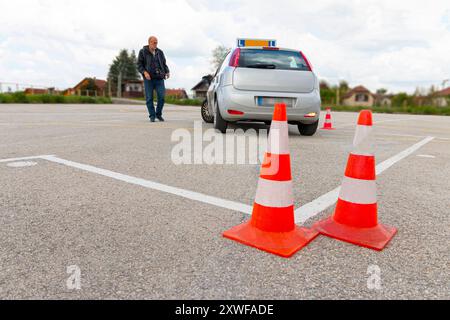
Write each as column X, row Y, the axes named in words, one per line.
column 152, row 119
column 160, row 118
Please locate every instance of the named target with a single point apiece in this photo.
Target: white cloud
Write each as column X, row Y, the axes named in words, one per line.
column 393, row 44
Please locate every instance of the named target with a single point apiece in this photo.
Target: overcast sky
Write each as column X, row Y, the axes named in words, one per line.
column 397, row 45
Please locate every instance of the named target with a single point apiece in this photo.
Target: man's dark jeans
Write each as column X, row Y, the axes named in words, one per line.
column 157, row 85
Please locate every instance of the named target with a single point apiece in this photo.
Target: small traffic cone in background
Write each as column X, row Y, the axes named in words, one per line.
column 327, row 124
column 272, row 227
column 355, row 217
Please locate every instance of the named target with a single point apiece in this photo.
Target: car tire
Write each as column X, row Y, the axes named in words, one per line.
column 219, row 122
column 308, row 129
column 206, row 115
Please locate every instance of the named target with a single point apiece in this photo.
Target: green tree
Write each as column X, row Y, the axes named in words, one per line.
column 343, row 86
column 401, row 100
column 327, row 93
column 324, row 85
column 340, row 91
column 133, row 61
column 124, row 64
column 432, row 90
column 327, row 96
column 218, row 54
column 382, row 91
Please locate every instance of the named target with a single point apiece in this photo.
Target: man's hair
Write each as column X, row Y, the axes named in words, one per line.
column 152, row 37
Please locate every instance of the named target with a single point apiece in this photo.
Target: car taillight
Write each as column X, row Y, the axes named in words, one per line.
column 306, row 60
column 236, row 112
column 234, row 60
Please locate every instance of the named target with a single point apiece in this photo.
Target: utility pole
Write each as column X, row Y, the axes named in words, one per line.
column 119, row 84
column 119, row 80
column 337, row 95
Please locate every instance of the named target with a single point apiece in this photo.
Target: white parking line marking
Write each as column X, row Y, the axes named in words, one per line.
column 384, row 133
column 23, row 158
column 325, row 201
column 155, row 185
column 400, row 156
column 21, row 164
column 302, row 214
column 426, row 156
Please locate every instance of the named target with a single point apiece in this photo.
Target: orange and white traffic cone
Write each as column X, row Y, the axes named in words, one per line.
column 327, row 124
column 272, row 227
column 355, row 217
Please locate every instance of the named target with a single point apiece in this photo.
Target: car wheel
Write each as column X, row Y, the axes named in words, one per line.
column 308, row 129
column 206, row 115
column 219, row 123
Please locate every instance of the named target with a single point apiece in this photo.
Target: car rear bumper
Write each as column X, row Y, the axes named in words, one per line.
column 230, row 98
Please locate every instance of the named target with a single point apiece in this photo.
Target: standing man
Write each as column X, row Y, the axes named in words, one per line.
column 152, row 65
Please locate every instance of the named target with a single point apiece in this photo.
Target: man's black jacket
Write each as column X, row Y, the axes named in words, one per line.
column 145, row 60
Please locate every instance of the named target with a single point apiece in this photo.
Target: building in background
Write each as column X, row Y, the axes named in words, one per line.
column 133, row 89
column 89, row 87
column 31, row 91
column 176, row 93
column 359, row 96
column 136, row 89
column 442, row 98
column 201, row 88
column 383, row 100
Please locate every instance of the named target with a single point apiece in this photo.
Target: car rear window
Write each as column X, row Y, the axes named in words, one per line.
column 272, row 59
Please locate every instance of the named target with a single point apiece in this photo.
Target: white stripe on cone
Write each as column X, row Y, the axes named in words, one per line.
column 278, row 142
column 361, row 133
column 362, row 142
column 276, row 194
column 358, row 191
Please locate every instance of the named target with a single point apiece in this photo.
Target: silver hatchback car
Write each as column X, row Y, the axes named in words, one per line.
column 252, row 79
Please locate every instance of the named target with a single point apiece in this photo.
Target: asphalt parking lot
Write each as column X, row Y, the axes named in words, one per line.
column 98, row 204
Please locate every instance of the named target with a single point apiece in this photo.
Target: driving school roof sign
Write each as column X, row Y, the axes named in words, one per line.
column 256, row 43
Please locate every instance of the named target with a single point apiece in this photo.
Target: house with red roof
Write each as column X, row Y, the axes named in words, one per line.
column 81, row 88
column 135, row 89
column 359, row 96
column 442, row 98
column 31, row 91
column 176, row 93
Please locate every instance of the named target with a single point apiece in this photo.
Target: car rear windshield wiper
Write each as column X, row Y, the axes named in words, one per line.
column 262, row 66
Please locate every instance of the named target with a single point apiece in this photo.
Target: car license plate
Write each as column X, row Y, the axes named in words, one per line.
column 270, row 101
